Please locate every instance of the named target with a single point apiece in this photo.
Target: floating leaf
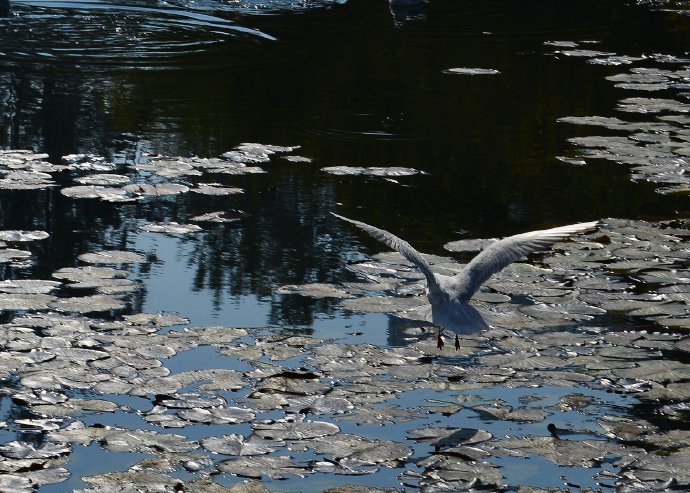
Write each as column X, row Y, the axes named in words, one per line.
column 216, row 189
column 218, row 415
column 449, row 437
column 238, row 445
column 219, row 217
column 371, row 171
column 88, row 274
column 297, row 159
column 159, row 189
column 471, row 71
column 293, row 429
column 316, row 290
column 28, row 286
column 10, row 302
column 359, row 450
column 26, row 180
column 147, row 442
column 105, row 179
column 469, row 245
column 85, row 191
column 502, row 411
column 24, row 450
column 112, row 257
column 10, row 255
column 256, row 467
column 131, row 481
column 157, row 319
column 172, row 227
column 319, row 404
column 22, row 236
column 382, row 304
column 87, row 304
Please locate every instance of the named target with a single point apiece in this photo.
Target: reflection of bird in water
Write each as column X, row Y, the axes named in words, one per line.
column 449, row 295
column 403, row 10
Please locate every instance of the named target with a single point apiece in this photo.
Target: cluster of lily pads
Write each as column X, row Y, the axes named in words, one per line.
column 13, row 256
column 657, row 149
column 286, row 402
column 291, row 405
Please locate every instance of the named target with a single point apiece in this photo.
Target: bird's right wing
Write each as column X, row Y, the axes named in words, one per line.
column 501, row 253
column 399, row 245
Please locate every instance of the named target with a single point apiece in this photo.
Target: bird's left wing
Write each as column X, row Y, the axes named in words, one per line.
column 501, row 253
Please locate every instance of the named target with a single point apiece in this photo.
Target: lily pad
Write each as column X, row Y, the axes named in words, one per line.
column 502, row 411
column 382, row 304
column 219, row 217
column 292, row 428
column 104, row 179
column 471, row 71
column 173, row 228
column 358, row 450
column 449, row 437
column 85, row 191
column 12, row 302
column 24, row 450
column 238, row 445
column 394, row 171
column 112, row 257
column 22, row 236
column 316, row 290
column 146, row 441
column 26, row 180
column 11, row 256
column 88, row 274
column 28, row 286
column 216, row 189
column 276, row 467
column 154, row 190
column 87, row 304
column 125, row 481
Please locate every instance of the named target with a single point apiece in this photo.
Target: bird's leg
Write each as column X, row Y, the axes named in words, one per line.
column 457, row 343
column 440, row 343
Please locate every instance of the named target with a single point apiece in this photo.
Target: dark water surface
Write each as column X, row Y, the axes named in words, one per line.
column 350, row 82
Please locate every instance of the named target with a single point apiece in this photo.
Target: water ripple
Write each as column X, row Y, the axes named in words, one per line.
column 131, row 35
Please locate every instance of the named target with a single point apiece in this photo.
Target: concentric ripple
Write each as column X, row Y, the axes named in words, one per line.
column 104, row 33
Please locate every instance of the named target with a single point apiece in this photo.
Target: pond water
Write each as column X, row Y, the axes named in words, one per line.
column 514, row 116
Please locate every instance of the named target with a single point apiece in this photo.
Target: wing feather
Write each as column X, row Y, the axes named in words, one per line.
column 507, row 250
column 399, row 245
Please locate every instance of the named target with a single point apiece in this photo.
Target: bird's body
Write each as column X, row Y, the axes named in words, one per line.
column 449, row 295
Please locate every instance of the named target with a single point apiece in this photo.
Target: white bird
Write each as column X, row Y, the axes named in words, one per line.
column 449, row 295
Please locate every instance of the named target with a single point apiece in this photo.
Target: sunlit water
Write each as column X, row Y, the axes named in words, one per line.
column 352, row 83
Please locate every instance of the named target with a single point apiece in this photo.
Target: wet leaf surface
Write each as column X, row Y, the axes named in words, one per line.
column 238, row 445
column 112, row 257
column 22, row 236
column 394, row 171
column 471, row 71
column 172, row 227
